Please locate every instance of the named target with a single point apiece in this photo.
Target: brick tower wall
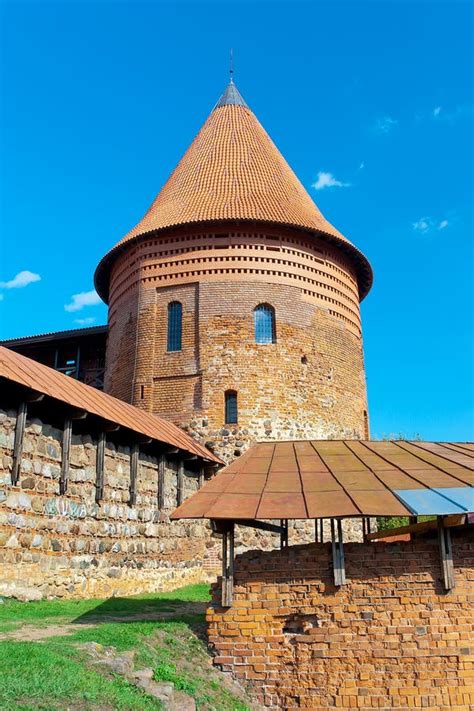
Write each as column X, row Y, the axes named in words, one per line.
column 310, row 383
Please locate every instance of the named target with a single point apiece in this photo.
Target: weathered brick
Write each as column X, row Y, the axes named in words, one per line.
column 360, row 646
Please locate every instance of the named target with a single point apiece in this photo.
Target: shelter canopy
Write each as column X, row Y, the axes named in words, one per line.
column 27, row 373
column 339, row 479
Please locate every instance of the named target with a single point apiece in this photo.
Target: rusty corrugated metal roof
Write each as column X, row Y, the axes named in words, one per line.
column 233, row 171
column 31, row 374
column 339, row 478
column 55, row 336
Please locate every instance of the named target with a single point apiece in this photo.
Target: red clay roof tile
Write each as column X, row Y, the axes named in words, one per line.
column 233, row 171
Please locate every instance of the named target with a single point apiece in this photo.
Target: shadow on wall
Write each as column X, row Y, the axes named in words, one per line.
column 299, row 563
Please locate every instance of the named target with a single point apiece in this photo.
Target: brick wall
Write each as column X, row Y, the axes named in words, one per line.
column 70, row 546
column 390, row 638
column 310, row 383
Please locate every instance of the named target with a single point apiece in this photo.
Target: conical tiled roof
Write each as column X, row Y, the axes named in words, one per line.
column 233, row 171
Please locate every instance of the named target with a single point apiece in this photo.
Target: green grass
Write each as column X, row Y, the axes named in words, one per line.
column 386, row 522
column 71, row 609
column 56, row 673
column 47, row 676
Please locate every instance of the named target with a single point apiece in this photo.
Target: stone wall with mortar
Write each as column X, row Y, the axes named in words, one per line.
column 390, row 638
column 70, row 546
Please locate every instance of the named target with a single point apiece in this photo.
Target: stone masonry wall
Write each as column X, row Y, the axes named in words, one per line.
column 70, row 546
column 390, row 638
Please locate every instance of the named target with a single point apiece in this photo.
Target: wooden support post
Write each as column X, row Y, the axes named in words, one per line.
column 161, row 481
column 18, row 442
column 316, row 536
column 284, row 533
column 180, row 483
column 337, row 554
column 366, row 528
column 201, row 476
column 66, row 453
column 134, row 455
column 228, row 566
column 446, row 555
column 99, row 467
column 341, row 551
column 321, row 530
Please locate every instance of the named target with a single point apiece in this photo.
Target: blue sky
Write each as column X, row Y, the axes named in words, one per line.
column 371, row 103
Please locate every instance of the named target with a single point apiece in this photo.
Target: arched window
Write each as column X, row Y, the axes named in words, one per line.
column 175, row 325
column 264, row 322
column 231, row 411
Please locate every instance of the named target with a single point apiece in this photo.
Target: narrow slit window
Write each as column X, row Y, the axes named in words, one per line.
column 231, row 410
column 264, row 322
column 175, row 325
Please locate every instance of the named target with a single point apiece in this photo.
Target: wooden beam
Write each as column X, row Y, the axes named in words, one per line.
column 34, row 396
column 318, row 530
column 161, row 481
column 180, row 483
column 142, row 439
column 170, row 450
column 134, row 456
column 18, row 441
column 321, row 530
column 422, row 527
column 110, row 427
column 66, row 454
column 78, row 414
column 228, row 566
column 338, row 565
column 446, row 555
column 259, row 525
column 99, row 467
column 366, row 527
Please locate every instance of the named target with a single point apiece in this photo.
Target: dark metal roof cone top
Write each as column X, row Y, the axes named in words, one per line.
column 231, row 97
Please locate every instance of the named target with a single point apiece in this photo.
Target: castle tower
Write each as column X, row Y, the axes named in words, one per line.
column 234, row 304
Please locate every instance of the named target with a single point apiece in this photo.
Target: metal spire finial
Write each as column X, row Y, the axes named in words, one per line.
column 231, row 95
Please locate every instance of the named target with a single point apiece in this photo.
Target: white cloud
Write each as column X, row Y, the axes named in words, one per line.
column 385, row 124
column 362, row 165
column 85, row 298
column 327, row 180
column 454, row 114
column 85, row 321
column 422, row 225
column 21, row 280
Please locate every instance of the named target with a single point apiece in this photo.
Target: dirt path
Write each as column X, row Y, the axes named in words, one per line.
column 32, row 633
